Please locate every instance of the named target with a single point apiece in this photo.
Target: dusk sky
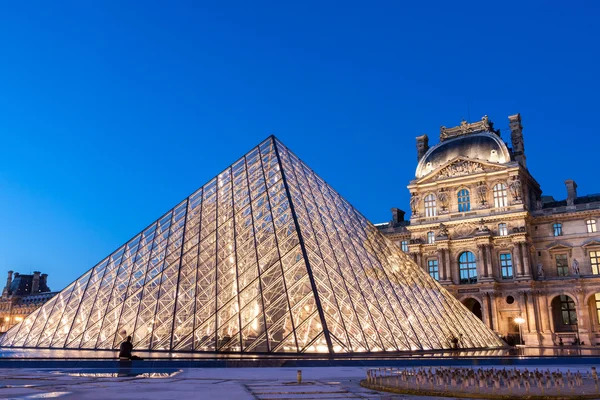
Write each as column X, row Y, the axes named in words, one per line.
column 113, row 112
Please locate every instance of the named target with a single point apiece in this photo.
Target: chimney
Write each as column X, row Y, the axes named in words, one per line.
column 35, row 285
column 422, row 146
column 44, row 283
column 397, row 216
column 571, row 191
column 8, row 282
column 516, row 138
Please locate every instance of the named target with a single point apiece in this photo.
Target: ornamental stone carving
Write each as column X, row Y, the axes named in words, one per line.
column 460, row 168
column 414, row 204
column 443, row 231
column 515, row 188
column 481, row 191
column 442, row 197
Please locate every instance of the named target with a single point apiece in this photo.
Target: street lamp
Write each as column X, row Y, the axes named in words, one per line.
column 519, row 321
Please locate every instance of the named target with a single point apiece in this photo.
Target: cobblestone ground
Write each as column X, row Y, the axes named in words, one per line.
column 194, row 383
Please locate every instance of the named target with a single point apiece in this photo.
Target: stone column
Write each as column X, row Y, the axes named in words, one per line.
column 441, row 264
column 525, row 254
column 517, row 259
column 487, row 318
column 481, row 267
column 523, row 312
column 531, row 313
column 495, row 317
column 583, row 317
column 449, row 268
column 490, row 261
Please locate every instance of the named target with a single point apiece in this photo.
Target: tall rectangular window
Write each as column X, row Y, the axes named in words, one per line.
column 557, row 229
column 432, row 266
column 500, row 195
column 404, row 246
column 502, row 229
column 595, row 262
column 430, row 206
column 464, row 201
column 506, row 265
column 591, row 225
column 562, row 264
column 430, row 237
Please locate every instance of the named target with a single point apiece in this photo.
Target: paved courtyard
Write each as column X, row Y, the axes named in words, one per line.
column 192, row 383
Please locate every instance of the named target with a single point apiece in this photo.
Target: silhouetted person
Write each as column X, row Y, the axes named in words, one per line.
column 125, row 350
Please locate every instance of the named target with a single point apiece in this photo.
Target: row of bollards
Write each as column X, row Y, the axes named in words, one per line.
column 514, row 381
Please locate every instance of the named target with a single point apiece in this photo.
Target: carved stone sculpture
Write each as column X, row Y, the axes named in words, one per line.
column 482, row 190
column 482, row 227
column 460, row 168
column 414, row 204
column 442, row 197
column 515, row 188
column 575, row 266
column 540, row 270
column 443, row 230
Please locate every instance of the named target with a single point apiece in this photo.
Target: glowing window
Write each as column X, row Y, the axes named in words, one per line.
column 591, row 225
column 430, row 206
column 430, row 238
column 500, row 195
column 595, row 262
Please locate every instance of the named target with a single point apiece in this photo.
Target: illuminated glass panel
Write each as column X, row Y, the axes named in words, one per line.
column 595, row 262
column 264, row 258
column 430, row 206
column 500, row 195
column 591, row 225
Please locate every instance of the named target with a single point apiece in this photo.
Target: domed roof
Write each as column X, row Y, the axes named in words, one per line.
column 484, row 146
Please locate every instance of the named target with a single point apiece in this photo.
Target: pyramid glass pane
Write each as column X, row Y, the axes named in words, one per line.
column 265, row 257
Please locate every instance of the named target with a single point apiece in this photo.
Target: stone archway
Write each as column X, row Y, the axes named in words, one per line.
column 474, row 306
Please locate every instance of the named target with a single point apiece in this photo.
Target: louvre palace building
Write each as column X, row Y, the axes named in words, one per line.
column 481, row 226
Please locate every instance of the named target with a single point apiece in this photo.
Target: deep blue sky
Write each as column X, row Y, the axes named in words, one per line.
column 112, row 112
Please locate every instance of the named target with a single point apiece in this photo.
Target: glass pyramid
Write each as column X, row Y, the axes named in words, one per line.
column 264, row 258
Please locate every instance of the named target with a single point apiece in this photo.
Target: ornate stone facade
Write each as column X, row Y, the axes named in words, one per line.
column 22, row 295
column 481, row 226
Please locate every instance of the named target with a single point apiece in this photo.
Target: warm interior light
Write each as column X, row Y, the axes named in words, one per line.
column 519, row 320
column 18, row 319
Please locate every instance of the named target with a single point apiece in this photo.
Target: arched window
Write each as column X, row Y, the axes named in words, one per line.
column 430, row 206
column 430, row 238
column 467, row 267
column 500, row 195
column 567, row 309
column 464, row 201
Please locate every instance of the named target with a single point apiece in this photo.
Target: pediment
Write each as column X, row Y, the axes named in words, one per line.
column 555, row 246
column 460, row 166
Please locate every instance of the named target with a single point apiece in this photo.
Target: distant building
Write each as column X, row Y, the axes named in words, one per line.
column 22, row 295
column 481, row 227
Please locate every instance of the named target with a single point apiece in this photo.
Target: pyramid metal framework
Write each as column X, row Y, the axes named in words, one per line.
column 264, row 258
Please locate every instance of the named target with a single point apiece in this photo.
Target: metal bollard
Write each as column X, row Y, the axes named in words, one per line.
column 299, row 376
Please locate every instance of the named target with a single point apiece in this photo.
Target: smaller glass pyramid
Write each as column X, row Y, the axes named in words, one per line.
column 264, row 258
